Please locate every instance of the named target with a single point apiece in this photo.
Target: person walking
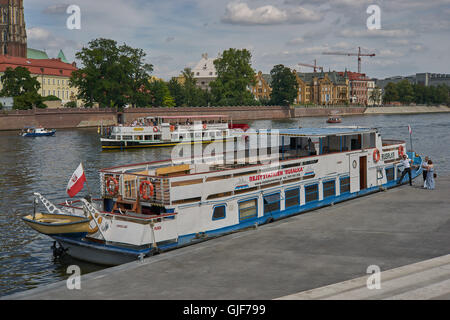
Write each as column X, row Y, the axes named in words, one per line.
column 430, row 176
column 424, row 166
column 406, row 162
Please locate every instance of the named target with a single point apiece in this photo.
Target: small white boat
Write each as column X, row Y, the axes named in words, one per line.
column 37, row 132
column 158, row 206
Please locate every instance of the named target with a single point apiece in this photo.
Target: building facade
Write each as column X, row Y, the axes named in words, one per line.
column 52, row 74
column 358, row 85
column 13, row 35
column 262, row 89
column 321, row 88
column 205, row 72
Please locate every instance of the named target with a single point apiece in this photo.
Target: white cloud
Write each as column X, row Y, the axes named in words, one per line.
column 296, row 41
column 241, row 13
column 40, row 38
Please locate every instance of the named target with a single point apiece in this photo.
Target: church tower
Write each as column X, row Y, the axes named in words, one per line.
column 13, row 34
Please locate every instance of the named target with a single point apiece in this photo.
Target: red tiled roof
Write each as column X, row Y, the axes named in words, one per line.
column 52, row 67
column 354, row 75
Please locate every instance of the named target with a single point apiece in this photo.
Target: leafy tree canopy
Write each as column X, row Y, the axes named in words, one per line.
column 23, row 87
column 284, row 85
column 234, row 77
column 112, row 75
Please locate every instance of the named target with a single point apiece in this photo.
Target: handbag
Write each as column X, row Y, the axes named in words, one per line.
column 434, row 175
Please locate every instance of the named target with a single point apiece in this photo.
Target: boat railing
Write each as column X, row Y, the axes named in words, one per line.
column 391, row 142
column 131, row 185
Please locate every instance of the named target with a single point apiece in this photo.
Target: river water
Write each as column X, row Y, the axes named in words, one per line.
column 45, row 164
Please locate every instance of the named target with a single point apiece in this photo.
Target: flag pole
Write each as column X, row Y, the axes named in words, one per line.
column 87, row 185
column 410, row 138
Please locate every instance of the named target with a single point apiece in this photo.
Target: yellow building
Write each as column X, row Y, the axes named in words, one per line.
column 52, row 74
column 262, row 89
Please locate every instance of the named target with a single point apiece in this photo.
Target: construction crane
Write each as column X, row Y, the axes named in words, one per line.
column 315, row 66
column 359, row 55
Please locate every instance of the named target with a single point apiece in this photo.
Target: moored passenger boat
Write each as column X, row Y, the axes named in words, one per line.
column 158, row 206
column 167, row 131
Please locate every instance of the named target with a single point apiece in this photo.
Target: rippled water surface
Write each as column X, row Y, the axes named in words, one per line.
column 44, row 165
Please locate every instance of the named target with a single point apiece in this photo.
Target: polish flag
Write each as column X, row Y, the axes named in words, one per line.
column 76, row 182
column 409, row 129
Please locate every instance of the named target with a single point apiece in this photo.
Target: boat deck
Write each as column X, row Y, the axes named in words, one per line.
column 402, row 226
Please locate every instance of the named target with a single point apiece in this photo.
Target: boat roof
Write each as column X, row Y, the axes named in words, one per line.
column 322, row 132
column 194, row 116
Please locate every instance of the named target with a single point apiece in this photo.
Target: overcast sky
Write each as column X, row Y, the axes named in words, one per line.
column 414, row 34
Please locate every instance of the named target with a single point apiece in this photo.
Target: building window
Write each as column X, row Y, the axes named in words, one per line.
column 390, row 174
column 271, row 203
column 329, row 189
column 311, row 193
column 53, row 81
column 248, row 209
column 292, row 198
column 219, row 212
column 345, row 185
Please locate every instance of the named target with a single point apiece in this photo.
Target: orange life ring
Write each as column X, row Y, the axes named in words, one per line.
column 172, row 128
column 401, row 151
column 112, row 191
column 143, row 191
column 204, row 126
column 155, row 129
column 376, row 155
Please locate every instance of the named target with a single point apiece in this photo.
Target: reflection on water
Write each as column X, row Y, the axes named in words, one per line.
column 45, row 164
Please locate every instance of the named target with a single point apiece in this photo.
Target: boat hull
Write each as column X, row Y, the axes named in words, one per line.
column 99, row 253
column 46, row 134
column 57, row 224
column 120, row 144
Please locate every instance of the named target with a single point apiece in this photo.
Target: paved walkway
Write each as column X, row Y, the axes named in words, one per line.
column 389, row 229
column 429, row 279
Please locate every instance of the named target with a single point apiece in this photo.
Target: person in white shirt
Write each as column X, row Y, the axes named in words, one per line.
column 407, row 169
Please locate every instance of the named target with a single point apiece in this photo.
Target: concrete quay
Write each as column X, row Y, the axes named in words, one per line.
column 391, row 229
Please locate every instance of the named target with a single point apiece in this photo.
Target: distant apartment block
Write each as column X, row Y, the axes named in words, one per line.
column 426, row 79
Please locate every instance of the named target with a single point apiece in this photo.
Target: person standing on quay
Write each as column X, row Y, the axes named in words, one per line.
column 424, row 166
column 430, row 176
column 407, row 169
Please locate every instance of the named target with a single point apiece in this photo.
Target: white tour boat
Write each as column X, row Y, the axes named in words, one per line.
column 152, row 207
column 166, row 131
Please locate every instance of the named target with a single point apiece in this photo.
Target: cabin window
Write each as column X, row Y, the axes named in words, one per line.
column 219, row 212
column 271, row 203
column 127, row 137
column 248, row 209
column 292, row 198
column 329, row 189
column 390, row 174
column 148, row 137
column 345, row 185
column 157, row 137
column 311, row 193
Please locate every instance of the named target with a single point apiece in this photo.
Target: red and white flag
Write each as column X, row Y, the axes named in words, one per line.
column 76, row 182
column 409, row 129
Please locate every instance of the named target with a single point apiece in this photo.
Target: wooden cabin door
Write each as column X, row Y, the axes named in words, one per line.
column 354, row 173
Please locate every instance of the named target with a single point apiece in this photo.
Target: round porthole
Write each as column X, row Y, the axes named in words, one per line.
column 354, row 164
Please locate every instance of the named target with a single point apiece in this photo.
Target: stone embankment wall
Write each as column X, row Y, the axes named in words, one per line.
column 57, row 118
column 78, row 118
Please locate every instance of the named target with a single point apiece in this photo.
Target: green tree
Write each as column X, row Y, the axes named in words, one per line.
column 405, row 91
column 112, row 75
column 19, row 84
column 284, row 85
column 375, row 95
column 234, row 78
column 160, row 94
column 390, row 93
column 176, row 91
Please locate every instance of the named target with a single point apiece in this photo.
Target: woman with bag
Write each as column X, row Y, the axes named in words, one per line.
column 430, row 176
